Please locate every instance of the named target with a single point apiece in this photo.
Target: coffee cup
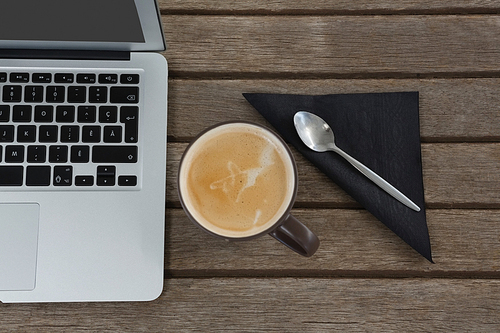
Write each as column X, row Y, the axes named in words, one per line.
column 238, row 181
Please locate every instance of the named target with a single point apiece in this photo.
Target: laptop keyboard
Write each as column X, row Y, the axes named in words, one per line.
column 69, row 130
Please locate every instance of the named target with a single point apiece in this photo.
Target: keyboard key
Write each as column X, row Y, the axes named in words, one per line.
column 108, row 114
column 33, row 94
column 3, row 77
column 84, row 180
column 98, row 94
column 63, row 176
column 112, row 134
column 91, row 134
column 1, row 148
column 65, row 114
column 12, row 93
column 85, row 78
column 26, row 133
column 124, row 95
column 42, row 78
column 14, row 154
column 19, row 77
column 106, row 175
column 129, row 115
column 108, row 78
column 58, row 154
column 129, row 78
column 11, row 175
column 114, row 154
column 4, row 113
column 127, row 181
column 80, row 154
column 21, row 113
column 106, row 181
column 64, row 78
column 36, row 154
column 77, row 94
column 48, row 133
column 55, row 94
column 70, row 134
column 38, row 176
column 44, row 113
column 86, row 114
column 6, row 133
column 106, row 170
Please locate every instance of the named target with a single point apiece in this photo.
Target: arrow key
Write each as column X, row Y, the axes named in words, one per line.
column 127, row 180
column 106, row 175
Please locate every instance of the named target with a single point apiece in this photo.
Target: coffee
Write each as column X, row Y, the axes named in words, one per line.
column 237, row 180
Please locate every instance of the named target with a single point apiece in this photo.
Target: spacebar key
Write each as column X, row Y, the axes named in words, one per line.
column 11, row 175
column 114, row 154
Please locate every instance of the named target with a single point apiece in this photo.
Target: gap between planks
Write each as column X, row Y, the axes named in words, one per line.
column 328, row 274
column 331, row 12
column 198, row 76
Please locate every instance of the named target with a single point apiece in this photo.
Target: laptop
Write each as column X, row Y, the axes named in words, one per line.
column 83, row 122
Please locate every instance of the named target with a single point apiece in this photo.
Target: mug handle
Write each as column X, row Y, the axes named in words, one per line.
column 296, row 236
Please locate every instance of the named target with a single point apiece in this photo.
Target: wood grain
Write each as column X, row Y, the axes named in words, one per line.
column 450, row 109
column 280, row 305
column 455, row 176
column 353, row 243
column 332, row 46
column 320, row 6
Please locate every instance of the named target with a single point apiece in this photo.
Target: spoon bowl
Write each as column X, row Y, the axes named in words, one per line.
column 317, row 135
column 314, row 131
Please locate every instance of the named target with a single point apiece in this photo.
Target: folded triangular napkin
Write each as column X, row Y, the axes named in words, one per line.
column 382, row 131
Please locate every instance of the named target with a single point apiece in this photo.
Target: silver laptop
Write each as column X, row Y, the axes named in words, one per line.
column 83, row 118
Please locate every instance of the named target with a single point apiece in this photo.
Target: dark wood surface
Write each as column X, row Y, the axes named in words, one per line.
column 363, row 277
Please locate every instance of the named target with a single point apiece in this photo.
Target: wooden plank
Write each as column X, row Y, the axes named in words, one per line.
column 321, row 6
column 332, row 46
column 467, row 179
column 450, row 109
column 280, row 305
column 353, row 243
column 455, row 175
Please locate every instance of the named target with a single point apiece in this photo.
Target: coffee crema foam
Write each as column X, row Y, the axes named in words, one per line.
column 237, row 180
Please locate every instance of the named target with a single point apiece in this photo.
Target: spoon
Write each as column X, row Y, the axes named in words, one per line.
column 318, row 136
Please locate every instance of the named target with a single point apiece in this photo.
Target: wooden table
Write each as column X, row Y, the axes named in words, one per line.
column 363, row 277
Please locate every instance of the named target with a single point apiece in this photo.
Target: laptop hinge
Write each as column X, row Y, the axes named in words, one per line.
column 64, row 54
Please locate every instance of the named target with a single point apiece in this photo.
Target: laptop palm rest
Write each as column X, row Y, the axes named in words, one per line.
column 18, row 245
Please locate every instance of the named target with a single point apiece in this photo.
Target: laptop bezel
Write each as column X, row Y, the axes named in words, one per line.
column 150, row 20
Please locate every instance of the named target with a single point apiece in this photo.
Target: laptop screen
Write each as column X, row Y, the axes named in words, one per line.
column 66, row 20
column 80, row 24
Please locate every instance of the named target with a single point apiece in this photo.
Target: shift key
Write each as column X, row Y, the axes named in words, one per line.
column 114, row 154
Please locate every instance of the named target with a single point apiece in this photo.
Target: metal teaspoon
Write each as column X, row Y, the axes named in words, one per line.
column 318, row 136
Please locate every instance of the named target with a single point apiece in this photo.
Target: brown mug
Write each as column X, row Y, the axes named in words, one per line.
column 238, row 180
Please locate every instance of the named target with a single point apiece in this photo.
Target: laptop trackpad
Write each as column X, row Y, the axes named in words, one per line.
column 18, row 245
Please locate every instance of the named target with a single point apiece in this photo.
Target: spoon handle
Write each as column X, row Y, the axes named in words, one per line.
column 383, row 184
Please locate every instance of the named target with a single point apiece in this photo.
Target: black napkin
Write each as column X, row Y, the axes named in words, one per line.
column 380, row 130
